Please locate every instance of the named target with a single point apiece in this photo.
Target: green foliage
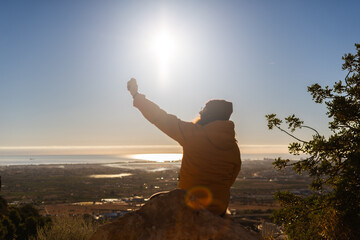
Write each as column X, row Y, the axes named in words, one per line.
column 19, row 223
column 9, row 229
column 3, row 206
column 333, row 211
column 312, row 218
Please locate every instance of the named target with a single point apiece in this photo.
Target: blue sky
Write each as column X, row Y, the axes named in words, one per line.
column 64, row 66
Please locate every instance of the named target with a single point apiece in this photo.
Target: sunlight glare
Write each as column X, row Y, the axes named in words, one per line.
column 165, row 47
column 120, row 175
column 158, row 157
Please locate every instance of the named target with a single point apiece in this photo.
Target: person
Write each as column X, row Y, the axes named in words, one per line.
column 211, row 157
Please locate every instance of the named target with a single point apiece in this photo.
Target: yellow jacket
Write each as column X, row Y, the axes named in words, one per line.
column 211, row 157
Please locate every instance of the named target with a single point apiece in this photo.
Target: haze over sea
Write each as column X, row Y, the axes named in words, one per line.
column 124, row 155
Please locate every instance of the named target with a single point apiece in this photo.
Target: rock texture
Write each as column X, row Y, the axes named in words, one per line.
column 168, row 217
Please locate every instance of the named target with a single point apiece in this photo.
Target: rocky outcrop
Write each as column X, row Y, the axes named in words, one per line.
column 168, row 217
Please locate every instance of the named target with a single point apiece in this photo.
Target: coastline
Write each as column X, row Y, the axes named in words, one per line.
column 23, row 160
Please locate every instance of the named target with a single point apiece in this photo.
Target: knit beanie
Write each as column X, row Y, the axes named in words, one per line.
column 218, row 109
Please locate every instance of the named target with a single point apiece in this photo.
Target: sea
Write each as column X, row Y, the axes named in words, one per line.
column 126, row 159
column 9, row 160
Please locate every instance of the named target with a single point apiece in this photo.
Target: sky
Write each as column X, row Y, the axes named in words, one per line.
column 64, row 66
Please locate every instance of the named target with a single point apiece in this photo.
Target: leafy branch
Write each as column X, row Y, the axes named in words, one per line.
column 293, row 123
column 333, row 163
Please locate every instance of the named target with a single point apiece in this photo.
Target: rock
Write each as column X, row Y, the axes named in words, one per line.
column 168, row 217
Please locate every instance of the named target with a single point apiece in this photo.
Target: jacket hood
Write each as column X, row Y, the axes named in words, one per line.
column 221, row 134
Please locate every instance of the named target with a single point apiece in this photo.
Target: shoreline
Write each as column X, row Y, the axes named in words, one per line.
column 104, row 162
column 108, row 163
column 10, row 160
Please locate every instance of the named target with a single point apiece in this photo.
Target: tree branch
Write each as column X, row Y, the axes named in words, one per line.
column 312, row 129
column 298, row 139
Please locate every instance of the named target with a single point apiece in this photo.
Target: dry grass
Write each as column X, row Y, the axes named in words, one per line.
column 67, row 228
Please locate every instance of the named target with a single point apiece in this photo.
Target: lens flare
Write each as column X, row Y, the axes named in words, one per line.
column 198, row 197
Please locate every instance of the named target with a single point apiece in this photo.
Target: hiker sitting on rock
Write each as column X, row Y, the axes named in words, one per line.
column 211, row 157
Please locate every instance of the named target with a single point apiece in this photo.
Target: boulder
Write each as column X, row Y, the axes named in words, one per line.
column 169, row 217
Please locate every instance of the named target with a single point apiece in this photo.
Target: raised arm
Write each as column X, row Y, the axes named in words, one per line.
column 169, row 124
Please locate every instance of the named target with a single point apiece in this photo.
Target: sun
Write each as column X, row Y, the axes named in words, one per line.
column 164, row 46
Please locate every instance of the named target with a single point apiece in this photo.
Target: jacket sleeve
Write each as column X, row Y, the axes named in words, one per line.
column 167, row 123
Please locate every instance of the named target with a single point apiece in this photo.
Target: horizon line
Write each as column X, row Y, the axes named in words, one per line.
column 123, row 146
column 127, row 149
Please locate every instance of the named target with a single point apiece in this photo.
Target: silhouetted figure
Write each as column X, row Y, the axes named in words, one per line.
column 211, row 157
